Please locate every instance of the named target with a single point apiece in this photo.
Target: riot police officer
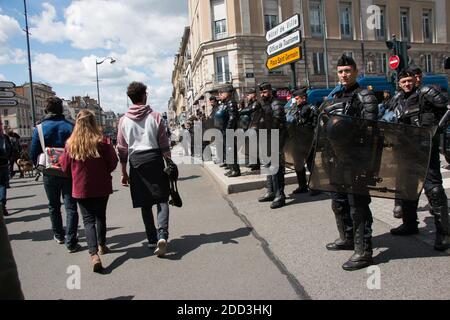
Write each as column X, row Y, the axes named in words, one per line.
column 353, row 216
column 250, row 119
column 423, row 107
column 232, row 116
column 274, row 109
column 303, row 114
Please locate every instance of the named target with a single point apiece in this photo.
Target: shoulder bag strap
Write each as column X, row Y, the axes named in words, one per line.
column 41, row 136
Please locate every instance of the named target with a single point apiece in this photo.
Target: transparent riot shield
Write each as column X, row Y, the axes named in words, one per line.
column 298, row 145
column 384, row 160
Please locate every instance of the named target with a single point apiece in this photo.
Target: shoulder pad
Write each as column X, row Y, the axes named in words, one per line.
column 433, row 96
column 367, row 97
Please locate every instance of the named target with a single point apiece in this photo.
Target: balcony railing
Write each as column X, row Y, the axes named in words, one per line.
column 222, row 77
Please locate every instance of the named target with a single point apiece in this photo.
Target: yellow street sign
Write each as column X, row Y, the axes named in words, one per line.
column 284, row 58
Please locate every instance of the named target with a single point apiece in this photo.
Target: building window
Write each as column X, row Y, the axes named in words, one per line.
column 315, row 17
column 427, row 26
column 404, row 24
column 428, row 63
column 381, row 32
column 270, row 14
column 346, row 20
column 318, row 62
column 219, row 16
column 5, row 112
column 349, row 54
column 222, row 69
column 7, row 123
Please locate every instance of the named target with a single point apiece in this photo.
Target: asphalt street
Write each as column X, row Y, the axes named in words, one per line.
column 223, row 247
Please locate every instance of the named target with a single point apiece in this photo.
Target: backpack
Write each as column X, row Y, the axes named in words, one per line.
column 49, row 162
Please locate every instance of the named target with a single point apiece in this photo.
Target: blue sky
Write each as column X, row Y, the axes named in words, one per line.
column 67, row 37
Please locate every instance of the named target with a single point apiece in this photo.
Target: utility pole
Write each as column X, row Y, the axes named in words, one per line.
column 33, row 110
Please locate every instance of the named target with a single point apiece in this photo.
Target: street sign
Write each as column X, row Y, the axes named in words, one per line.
column 394, row 62
column 8, row 103
column 290, row 56
column 7, row 94
column 7, row 84
column 286, row 42
column 283, row 28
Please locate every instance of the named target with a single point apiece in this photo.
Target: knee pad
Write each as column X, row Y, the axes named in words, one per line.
column 339, row 208
column 437, row 197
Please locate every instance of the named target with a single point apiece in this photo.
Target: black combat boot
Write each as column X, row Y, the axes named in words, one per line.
column 362, row 258
column 405, row 230
column 441, row 221
column 278, row 188
column 269, row 196
column 345, row 241
column 439, row 209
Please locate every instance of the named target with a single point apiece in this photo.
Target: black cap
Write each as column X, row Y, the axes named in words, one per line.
column 302, row 92
column 226, row 88
column 265, row 86
column 250, row 91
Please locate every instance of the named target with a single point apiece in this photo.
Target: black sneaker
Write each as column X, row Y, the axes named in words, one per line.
column 74, row 249
column 300, row 190
column 405, row 230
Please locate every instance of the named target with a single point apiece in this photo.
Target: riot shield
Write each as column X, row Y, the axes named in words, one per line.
column 298, row 145
column 380, row 159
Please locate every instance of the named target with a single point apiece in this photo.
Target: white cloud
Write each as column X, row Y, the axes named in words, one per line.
column 10, row 28
column 2, row 77
column 143, row 35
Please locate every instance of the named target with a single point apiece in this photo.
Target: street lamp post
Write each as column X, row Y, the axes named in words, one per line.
column 96, row 72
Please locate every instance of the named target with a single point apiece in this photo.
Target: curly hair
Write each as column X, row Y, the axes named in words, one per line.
column 136, row 91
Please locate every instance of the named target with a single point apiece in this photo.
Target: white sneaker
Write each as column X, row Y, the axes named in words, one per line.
column 161, row 248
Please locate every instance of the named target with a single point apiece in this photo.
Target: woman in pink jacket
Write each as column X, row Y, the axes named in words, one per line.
column 90, row 162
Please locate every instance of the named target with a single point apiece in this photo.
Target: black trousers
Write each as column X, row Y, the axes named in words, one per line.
column 93, row 211
column 301, row 175
column 350, row 208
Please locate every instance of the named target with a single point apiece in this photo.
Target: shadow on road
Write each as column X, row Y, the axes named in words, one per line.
column 28, row 185
column 22, row 197
column 189, row 178
column 400, row 248
column 35, row 208
column 29, row 218
column 178, row 248
column 124, row 298
column 294, row 199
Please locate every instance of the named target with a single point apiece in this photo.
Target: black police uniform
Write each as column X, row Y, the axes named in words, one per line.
column 353, row 216
column 274, row 109
column 231, row 109
column 304, row 115
column 251, row 119
column 425, row 107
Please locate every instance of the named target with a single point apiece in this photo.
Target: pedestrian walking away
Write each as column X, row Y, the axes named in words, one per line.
column 142, row 140
column 5, row 158
column 55, row 130
column 89, row 162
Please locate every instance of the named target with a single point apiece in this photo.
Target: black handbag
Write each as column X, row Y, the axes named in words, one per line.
column 172, row 171
column 174, row 195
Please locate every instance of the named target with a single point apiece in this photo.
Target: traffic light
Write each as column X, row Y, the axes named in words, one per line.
column 400, row 49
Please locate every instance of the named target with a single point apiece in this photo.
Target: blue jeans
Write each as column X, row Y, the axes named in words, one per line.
column 55, row 187
column 4, row 179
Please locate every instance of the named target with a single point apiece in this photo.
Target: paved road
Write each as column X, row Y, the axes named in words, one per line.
column 225, row 248
column 213, row 255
